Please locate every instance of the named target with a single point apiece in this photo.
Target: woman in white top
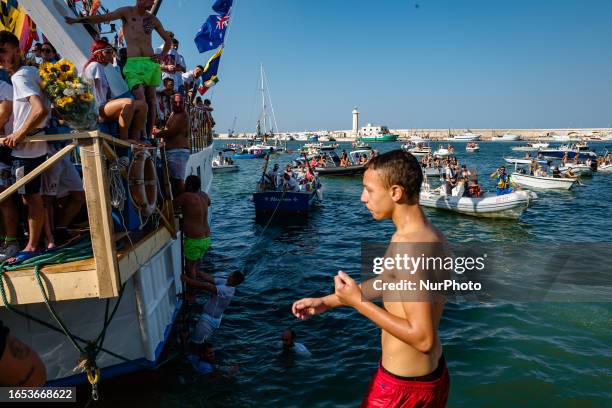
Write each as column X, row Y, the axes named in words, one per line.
column 130, row 114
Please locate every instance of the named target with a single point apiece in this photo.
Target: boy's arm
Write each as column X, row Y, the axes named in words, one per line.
column 164, row 35
column 416, row 329
column 209, row 287
column 6, row 110
column 99, row 18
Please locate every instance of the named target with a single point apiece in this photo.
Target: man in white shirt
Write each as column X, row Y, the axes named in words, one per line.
column 173, row 65
column 191, row 80
column 221, row 293
column 10, row 216
column 31, row 112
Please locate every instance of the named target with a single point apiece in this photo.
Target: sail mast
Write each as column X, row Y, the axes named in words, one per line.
column 263, row 101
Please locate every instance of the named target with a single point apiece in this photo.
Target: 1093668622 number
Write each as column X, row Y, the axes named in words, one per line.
column 33, row 394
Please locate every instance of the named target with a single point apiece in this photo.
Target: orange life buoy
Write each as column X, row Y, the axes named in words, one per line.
column 142, row 180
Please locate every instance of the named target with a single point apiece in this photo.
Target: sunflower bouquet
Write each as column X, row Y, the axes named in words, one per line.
column 71, row 97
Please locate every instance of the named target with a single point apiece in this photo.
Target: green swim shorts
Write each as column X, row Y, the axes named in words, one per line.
column 195, row 248
column 142, row 71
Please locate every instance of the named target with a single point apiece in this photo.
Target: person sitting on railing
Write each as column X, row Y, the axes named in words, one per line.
column 198, row 102
column 210, row 122
column 191, row 80
column 31, row 110
column 129, row 113
column 8, row 209
column 175, row 136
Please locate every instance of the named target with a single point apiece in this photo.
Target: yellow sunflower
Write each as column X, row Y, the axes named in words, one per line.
column 43, row 84
column 63, row 101
column 66, row 69
column 87, row 97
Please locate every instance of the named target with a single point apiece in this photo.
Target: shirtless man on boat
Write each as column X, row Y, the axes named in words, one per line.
column 142, row 70
column 412, row 370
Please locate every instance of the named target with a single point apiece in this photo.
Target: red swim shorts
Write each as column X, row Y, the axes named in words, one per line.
column 389, row 391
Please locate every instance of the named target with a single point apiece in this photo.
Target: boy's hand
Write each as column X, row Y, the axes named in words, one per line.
column 347, row 290
column 304, row 308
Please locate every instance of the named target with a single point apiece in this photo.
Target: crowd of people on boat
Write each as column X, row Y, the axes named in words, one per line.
column 298, row 179
column 151, row 111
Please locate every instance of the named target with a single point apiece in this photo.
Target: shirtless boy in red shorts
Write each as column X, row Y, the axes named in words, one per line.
column 412, row 370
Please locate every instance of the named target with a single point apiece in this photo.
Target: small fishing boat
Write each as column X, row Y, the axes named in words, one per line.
column 472, row 147
column 509, row 137
column 579, row 170
column 285, row 202
column 219, row 167
column 468, row 136
column 488, row 205
column 543, row 182
column 249, row 153
column 333, row 167
column 433, row 171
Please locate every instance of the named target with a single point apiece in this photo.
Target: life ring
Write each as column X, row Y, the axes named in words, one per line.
column 142, row 180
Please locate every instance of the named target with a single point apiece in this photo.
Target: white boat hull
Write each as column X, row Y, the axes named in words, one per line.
column 580, row 170
column 605, row 169
column 543, row 183
column 509, row 206
column 524, row 149
column 472, row 149
column 227, row 168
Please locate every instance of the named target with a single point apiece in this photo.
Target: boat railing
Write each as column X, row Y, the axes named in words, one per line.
column 117, row 255
column 200, row 129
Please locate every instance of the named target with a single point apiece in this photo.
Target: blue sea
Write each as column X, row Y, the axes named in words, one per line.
column 500, row 354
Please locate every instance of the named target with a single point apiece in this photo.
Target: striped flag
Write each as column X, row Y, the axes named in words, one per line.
column 209, row 76
column 14, row 18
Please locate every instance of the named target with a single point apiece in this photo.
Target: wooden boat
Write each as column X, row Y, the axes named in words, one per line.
column 137, row 271
column 543, row 183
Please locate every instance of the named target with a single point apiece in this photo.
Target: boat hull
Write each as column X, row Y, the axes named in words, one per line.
column 509, row 206
column 348, row 171
column 225, row 169
column 379, row 138
column 543, row 183
column 249, row 156
column 284, row 203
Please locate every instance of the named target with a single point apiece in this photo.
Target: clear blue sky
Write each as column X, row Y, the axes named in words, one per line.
column 448, row 63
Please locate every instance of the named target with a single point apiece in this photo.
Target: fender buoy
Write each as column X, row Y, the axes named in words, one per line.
column 142, row 180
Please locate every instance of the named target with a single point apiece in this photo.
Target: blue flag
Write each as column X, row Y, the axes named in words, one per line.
column 209, row 77
column 212, row 33
column 222, row 6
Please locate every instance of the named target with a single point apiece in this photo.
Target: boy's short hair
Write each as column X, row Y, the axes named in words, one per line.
column 192, row 184
column 201, row 67
column 206, row 101
column 237, row 277
column 168, row 79
column 6, row 37
column 400, row 168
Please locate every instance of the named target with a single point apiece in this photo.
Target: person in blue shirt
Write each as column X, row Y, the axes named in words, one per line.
column 205, row 362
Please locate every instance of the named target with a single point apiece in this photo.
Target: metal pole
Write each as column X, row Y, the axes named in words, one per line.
column 156, row 6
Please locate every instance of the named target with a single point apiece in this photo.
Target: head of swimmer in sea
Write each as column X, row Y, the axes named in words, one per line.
column 235, row 278
column 288, row 339
column 207, row 352
column 390, row 180
column 10, row 53
column 178, row 103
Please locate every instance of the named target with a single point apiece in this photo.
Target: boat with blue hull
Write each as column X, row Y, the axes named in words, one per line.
column 579, row 149
column 250, row 153
column 285, row 202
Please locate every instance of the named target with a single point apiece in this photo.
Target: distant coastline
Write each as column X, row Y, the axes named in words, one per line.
column 594, row 134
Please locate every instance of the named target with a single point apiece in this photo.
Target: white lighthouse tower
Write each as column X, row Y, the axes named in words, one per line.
column 355, row 121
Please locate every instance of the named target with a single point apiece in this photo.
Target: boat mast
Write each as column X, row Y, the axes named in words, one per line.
column 263, row 101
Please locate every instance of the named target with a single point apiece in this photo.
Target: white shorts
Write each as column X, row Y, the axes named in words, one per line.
column 205, row 326
column 61, row 178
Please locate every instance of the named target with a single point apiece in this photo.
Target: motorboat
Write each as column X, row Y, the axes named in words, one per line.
column 220, row 167
column 488, row 205
column 509, row 137
column 530, row 147
column 579, row 170
column 524, row 160
column 472, row 147
column 250, row 153
column 605, row 168
column 443, row 152
column 466, row 137
column 361, row 145
column 543, row 182
column 433, row 171
column 421, row 149
column 571, row 150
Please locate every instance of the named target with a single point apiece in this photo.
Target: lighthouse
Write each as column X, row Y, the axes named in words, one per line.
column 355, row 121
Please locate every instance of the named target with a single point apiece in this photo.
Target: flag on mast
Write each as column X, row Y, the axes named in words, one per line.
column 212, row 33
column 209, row 75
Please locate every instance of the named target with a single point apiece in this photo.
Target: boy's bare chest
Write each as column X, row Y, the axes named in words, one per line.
column 138, row 25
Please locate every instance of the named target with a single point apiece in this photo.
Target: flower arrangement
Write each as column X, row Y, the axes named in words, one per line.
column 70, row 95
